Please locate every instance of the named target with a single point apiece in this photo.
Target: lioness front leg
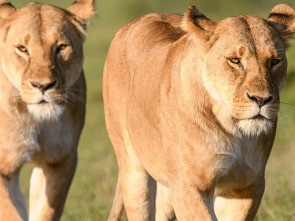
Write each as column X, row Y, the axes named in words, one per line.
column 191, row 182
column 192, row 204
column 49, row 187
column 239, row 204
column 12, row 202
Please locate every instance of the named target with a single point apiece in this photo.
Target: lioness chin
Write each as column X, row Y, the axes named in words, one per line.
column 192, row 105
column 43, row 95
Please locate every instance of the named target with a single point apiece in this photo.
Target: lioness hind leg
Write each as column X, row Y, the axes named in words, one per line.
column 12, row 202
column 118, row 206
column 164, row 207
column 138, row 192
column 135, row 185
column 49, row 188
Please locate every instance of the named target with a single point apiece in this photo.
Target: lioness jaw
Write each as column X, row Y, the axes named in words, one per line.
column 43, row 95
column 192, row 104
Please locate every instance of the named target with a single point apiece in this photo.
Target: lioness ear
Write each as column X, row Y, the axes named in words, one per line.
column 282, row 18
column 197, row 23
column 84, row 9
column 6, row 9
column 201, row 29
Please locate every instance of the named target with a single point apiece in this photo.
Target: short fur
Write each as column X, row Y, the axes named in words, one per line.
column 193, row 104
column 43, row 95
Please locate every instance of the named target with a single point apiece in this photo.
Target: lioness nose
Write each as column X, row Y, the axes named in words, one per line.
column 43, row 87
column 260, row 100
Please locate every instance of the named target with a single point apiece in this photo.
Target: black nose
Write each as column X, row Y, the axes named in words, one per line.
column 43, row 86
column 260, row 100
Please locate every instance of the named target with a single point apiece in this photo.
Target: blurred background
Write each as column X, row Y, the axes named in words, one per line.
column 90, row 197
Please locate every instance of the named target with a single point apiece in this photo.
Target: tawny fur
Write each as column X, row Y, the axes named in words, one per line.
column 192, row 104
column 43, row 95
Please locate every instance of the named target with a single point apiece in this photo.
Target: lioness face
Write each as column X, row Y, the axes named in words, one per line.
column 249, row 73
column 43, row 57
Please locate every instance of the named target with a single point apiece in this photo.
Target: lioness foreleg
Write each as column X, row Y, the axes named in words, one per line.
column 239, row 204
column 191, row 183
column 190, row 203
column 49, row 187
column 12, row 202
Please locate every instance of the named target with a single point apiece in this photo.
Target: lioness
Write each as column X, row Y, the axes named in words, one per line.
column 42, row 94
column 193, row 104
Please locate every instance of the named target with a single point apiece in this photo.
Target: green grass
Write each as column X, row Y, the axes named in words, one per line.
column 93, row 187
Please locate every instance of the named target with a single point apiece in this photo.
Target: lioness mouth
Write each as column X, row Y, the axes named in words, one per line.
column 46, row 102
column 43, row 101
column 259, row 117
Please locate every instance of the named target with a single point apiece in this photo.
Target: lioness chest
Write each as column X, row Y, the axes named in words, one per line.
column 240, row 165
column 25, row 141
column 54, row 140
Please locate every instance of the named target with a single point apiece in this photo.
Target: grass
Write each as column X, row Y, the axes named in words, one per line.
column 94, row 184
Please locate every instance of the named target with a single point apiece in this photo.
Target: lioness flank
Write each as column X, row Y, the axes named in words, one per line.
column 43, row 95
column 192, row 105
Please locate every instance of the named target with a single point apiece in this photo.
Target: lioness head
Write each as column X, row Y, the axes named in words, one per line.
column 244, row 64
column 41, row 52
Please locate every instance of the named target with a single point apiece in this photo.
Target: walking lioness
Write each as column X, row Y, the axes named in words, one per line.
column 42, row 94
column 193, row 104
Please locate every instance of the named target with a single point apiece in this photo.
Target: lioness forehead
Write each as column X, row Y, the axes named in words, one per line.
column 40, row 23
column 40, row 16
column 253, row 32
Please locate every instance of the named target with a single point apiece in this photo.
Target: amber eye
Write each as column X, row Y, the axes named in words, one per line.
column 275, row 61
column 22, row 48
column 235, row 60
column 61, row 47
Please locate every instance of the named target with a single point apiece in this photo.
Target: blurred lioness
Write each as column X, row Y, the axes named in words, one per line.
column 193, row 105
column 43, row 95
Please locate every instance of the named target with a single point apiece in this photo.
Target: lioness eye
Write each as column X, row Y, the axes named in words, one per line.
column 275, row 61
column 235, row 60
column 22, row 48
column 61, row 47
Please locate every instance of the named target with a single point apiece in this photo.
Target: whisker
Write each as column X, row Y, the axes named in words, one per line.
column 79, row 90
column 286, row 103
column 73, row 97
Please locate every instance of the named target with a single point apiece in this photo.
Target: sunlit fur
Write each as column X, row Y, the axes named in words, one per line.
column 254, row 127
column 46, row 111
column 181, row 113
column 43, row 99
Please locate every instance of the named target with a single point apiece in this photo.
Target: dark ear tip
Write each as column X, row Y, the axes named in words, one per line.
column 282, row 9
column 282, row 17
column 192, row 7
column 192, row 10
column 6, row 9
column 5, row 3
column 193, row 13
column 84, row 9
